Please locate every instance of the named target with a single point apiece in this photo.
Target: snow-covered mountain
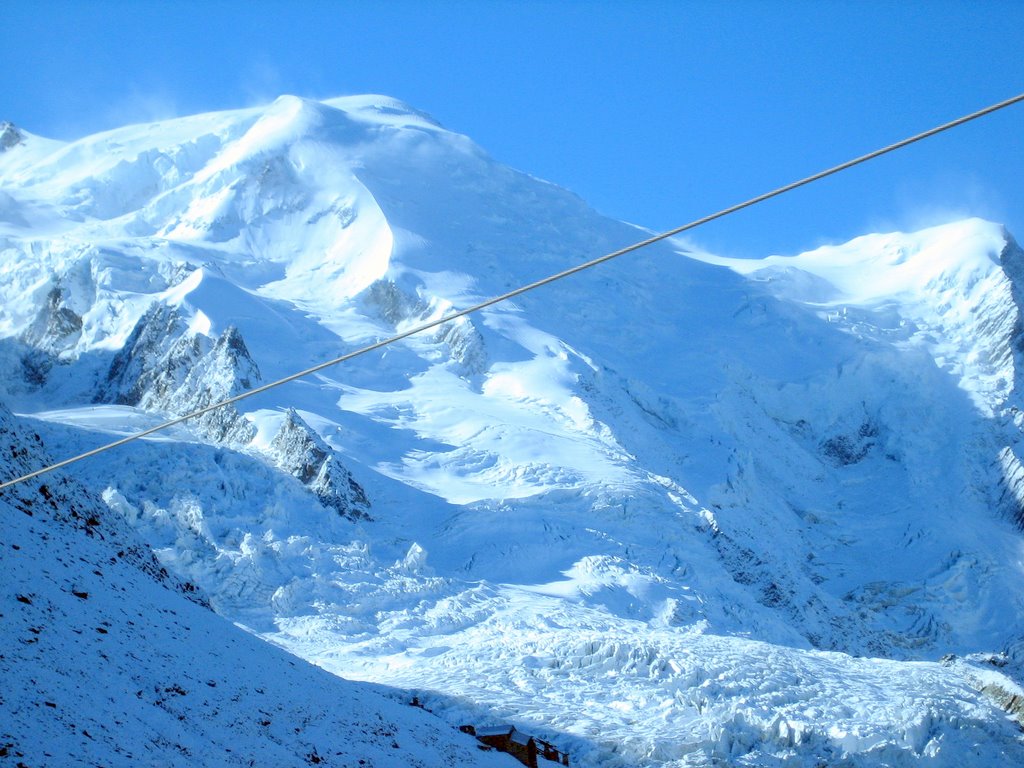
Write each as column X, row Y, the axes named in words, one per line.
column 676, row 510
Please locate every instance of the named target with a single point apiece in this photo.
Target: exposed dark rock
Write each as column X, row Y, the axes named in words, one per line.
column 156, row 357
column 844, row 450
column 35, row 366
column 464, row 343
column 164, row 366
column 1008, row 464
column 457, row 339
column 299, row 451
column 393, row 304
column 10, row 136
column 227, row 369
column 57, row 327
column 1011, row 486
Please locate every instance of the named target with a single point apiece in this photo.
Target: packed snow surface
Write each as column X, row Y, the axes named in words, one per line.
column 677, row 510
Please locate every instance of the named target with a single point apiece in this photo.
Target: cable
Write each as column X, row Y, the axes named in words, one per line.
column 525, row 288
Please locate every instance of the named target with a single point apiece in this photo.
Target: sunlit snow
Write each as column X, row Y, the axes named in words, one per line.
column 677, row 510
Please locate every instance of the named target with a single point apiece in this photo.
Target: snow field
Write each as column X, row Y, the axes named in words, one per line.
column 629, row 513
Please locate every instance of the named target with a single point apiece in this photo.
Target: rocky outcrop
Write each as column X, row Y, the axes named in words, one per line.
column 299, row 451
column 844, row 449
column 458, row 340
column 227, row 369
column 57, row 326
column 464, row 344
column 152, row 359
column 10, row 136
column 1011, row 486
column 1010, row 470
column 164, row 366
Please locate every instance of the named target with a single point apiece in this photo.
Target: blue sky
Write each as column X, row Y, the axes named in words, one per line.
column 654, row 112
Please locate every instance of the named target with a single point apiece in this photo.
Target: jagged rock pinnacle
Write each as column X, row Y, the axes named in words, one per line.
column 10, row 136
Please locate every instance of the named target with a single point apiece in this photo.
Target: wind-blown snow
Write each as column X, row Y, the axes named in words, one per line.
column 673, row 511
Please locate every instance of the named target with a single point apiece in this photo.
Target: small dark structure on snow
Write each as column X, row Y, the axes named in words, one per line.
column 522, row 746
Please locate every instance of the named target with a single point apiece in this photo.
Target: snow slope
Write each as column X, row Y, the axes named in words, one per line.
column 108, row 660
column 677, row 510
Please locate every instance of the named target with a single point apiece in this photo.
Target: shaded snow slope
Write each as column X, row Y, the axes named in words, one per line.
column 675, row 510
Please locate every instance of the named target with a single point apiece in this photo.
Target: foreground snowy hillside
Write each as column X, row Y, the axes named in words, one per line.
column 104, row 664
column 678, row 510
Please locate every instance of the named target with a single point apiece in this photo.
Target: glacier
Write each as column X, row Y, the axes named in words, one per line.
column 678, row 510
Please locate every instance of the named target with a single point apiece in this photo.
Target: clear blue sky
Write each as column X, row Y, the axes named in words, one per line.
column 654, row 112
